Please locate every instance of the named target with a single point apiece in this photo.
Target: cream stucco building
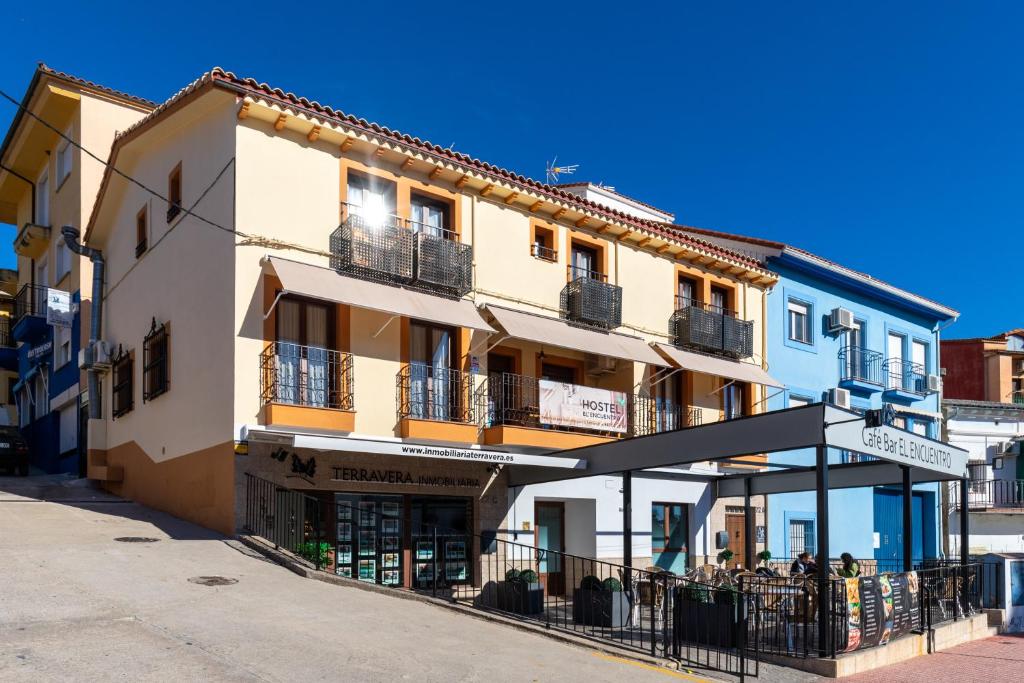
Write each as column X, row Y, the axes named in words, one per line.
column 306, row 298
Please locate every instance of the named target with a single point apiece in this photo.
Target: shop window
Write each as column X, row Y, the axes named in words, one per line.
column 543, row 245
column 141, row 233
column 174, row 193
column 122, row 373
column 155, row 362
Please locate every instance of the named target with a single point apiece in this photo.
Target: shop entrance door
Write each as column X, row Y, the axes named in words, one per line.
column 736, row 527
column 550, row 535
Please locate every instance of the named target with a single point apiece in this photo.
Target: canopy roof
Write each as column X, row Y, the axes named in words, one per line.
column 716, row 365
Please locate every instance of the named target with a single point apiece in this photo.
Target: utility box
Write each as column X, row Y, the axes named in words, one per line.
column 1003, row 575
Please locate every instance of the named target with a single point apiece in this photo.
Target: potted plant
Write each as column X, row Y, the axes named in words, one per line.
column 320, row 554
column 725, row 556
column 708, row 615
column 764, row 557
column 521, row 592
column 600, row 603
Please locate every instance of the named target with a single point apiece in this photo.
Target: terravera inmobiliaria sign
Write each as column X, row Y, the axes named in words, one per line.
column 570, row 405
column 880, row 609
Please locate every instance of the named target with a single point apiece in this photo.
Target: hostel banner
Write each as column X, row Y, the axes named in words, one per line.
column 570, row 405
column 880, row 608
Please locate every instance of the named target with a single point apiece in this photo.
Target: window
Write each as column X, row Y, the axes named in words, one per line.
column 141, row 233
column 43, row 199
column 372, row 199
column 799, row 321
column 430, row 216
column 584, row 263
column 62, row 262
column 155, row 361
column 920, row 426
column 801, row 537
column 434, row 386
column 174, row 193
column 65, row 157
column 42, row 401
column 798, row 401
column 720, row 300
column 304, row 371
column 895, row 349
column 543, row 245
column 62, row 346
column 686, row 293
column 123, row 394
column 668, row 528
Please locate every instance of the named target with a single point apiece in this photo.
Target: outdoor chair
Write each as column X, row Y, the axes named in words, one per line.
column 799, row 609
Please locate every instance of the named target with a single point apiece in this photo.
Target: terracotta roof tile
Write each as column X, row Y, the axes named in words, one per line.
column 95, row 86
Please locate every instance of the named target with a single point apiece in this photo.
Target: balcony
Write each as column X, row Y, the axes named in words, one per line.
column 306, row 386
column 860, row 369
column 711, row 329
column 8, row 349
column 512, row 414
column 997, row 495
column 1017, row 397
column 32, row 240
column 397, row 251
column 589, row 300
column 904, row 379
column 435, row 403
column 29, row 312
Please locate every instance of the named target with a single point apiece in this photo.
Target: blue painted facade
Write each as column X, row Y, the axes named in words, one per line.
column 864, row 522
column 42, row 426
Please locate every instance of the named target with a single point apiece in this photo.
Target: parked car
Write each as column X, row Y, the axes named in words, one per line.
column 13, row 451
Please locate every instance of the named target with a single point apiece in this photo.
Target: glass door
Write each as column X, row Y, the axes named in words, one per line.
column 550, row 536
column 584, row 263
column 895, row 349
column 669, row 533
column 368, row 539
column 372, row 199
column 442, row 542
column 432, row 384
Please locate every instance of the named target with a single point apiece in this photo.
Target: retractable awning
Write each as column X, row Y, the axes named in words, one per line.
column 316, row 282
column 723, row 367
column 554, row 332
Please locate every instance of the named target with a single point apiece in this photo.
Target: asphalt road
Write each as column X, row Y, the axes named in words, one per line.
column 78, row 605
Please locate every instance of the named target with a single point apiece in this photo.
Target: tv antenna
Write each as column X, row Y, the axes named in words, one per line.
column 554, row 170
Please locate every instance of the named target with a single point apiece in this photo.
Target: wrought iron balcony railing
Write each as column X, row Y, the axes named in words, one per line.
column 543, row 253
column 306, row 376
column 397, row 251
column 985, row 494
column 711, row 328
column 514, row 400
column 905, row 375
column 858, row 364
column 1017, row 397
column 426, row 392
column 589, row 300
column 30, row 300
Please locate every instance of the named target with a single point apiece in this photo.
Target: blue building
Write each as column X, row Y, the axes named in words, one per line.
column 841, row 336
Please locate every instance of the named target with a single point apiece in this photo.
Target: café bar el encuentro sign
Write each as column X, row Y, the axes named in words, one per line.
column 880, row 609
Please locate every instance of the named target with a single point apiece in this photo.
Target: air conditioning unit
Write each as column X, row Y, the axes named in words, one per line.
column 840, row 319
column 599, row 365
column 1006, row 448
column 839, row 397
column 99, row 355
column 934, row 384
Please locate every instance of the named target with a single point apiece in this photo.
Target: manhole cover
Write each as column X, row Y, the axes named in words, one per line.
column 136, row 539
column 212, row 580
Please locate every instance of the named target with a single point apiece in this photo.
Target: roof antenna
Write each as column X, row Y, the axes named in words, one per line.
column 554, row 170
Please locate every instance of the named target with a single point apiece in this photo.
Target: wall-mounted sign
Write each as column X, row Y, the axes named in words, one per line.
column 761, row 534
column 37, row 352
column 896, row 445
column 58, row 308
column 570, row 405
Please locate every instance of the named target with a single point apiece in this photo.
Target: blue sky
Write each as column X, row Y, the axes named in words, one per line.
column 886, row 136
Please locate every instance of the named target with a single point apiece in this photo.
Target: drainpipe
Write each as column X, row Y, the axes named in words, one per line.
column 71, row 235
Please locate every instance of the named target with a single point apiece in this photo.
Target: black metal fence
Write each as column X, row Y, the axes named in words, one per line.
column 992, row 493
column 591, row 301
column 711, row 329
column 290, row 520
column 859, row 364
column 306, row 376
column 428, row 392
column 30, row 300
column 905, row 376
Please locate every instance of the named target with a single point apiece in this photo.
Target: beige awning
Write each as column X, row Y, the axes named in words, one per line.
column 723, row 367
column 317, row 282
column 555, row 332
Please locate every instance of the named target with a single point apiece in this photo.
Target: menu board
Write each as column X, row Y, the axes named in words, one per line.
column 879, row 608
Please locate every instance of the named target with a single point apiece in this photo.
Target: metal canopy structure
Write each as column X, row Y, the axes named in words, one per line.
column 897, row 457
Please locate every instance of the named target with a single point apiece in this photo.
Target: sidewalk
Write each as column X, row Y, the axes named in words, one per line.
column 1000, row 658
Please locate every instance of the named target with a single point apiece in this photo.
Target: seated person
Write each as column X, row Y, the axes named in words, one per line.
column 803, row 564
column 850, row 568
